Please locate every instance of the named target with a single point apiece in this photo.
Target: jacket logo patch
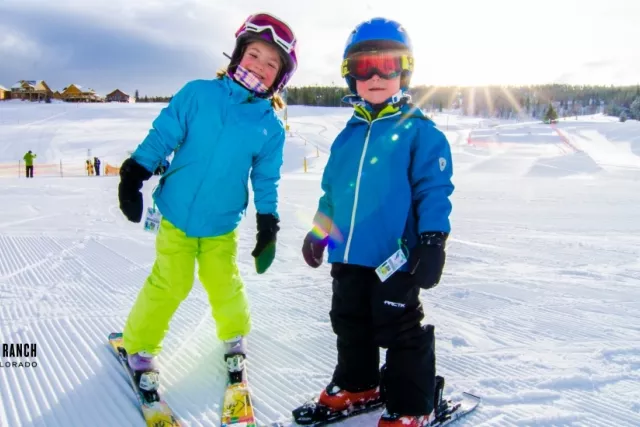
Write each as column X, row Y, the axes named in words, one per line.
column 394, row 304
column 443, row 163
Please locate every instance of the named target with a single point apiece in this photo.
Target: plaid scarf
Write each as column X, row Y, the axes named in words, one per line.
column 249, row 80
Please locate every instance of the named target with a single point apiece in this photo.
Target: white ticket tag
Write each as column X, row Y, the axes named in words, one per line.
column 152, row 220
column 391, row 265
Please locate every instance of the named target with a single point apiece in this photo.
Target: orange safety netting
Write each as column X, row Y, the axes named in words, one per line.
column 61, row 169
column 111, row 170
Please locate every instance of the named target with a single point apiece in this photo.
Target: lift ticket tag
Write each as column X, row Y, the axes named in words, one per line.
column 152, row 220
column 391, row 265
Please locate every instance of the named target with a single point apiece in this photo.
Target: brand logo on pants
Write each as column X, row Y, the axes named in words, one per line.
column 394, row 304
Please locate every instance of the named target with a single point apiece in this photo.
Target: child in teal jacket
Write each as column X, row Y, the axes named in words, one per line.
column 384, row 216
column 222, row 133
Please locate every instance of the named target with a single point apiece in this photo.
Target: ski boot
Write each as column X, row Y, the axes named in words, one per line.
column 439, row 407
column 235, row 353
column 397, row 420
column 146, row 374
column 336, row 399
column 335, row 403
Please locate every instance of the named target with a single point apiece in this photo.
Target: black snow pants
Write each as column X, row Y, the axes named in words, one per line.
column 367, row 314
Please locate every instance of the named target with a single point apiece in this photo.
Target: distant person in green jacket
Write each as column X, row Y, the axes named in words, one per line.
column 28, row 161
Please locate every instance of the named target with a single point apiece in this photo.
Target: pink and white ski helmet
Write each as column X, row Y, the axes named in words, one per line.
column 263, row 26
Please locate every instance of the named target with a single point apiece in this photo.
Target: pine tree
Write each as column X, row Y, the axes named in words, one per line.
column 635, row 109
column 550, row 115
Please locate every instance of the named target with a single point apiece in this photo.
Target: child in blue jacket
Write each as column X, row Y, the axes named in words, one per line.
column 384, row 215
column 222, row 133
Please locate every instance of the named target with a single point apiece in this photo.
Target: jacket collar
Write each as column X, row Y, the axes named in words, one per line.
column 240, row 95
column 362, row 113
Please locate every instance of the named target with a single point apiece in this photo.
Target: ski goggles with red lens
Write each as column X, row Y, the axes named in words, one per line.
column 387, row 65
column 280, row 32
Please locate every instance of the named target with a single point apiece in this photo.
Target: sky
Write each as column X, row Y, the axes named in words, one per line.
column 156, row 46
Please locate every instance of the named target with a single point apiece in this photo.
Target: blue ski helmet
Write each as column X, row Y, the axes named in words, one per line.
column 379, row 34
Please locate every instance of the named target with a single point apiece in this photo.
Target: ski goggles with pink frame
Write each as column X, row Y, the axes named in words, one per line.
column 280, row 32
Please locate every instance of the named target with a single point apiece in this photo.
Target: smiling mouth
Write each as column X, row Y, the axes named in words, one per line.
column 258, row 75
column 376, row 89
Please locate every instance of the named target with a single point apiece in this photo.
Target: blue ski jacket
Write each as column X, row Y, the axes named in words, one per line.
column 386, row 181
column 221, row 136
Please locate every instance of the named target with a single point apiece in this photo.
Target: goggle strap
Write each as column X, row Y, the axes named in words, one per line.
column 345, row 67
column 406, row 62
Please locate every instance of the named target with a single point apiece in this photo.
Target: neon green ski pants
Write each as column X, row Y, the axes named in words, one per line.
column 171, row 280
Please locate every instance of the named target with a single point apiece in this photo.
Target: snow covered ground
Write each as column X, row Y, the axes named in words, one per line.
column 538, row 310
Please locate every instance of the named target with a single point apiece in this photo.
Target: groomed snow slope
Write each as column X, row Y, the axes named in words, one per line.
column 538, row 310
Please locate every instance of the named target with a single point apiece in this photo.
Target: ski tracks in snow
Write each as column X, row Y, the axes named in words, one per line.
column 538, row 322
column 537, row 311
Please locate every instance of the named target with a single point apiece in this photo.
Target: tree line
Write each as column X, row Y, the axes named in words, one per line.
column 488, row 101
column 146, row 98
column 498, row 101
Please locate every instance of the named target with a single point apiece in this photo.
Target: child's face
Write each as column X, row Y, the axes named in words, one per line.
column 263, row 60
column 376, row 90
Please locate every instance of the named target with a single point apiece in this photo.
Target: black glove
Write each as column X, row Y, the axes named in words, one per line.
column 265, row 250
column 426, row 260
column 132, row 175
column 313, row 249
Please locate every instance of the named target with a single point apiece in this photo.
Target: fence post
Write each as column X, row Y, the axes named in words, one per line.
column 61, row 176
column 317, row 151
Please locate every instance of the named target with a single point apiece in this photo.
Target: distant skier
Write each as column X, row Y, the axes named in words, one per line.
column 96, row 165
column 224, row 128
column 386, row 188
column 89, row 166
column 28, row 163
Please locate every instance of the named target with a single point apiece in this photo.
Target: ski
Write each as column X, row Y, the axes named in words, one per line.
column 455, row 410
column 155, row 410
column 314, row 414
column 237, row 408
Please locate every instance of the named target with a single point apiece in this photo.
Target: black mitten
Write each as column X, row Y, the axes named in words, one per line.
column 265, row 250
column 132, row 175
column 313, row 249
column 427, row 259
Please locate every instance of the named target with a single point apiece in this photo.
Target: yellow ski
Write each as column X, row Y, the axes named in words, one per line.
column 156, row 413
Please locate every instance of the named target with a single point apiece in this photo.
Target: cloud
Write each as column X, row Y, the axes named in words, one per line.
column 114, row 46
column 151, row 45
column 601, row 63
column 158, row 45
column 16, row 44
column 622, row 71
